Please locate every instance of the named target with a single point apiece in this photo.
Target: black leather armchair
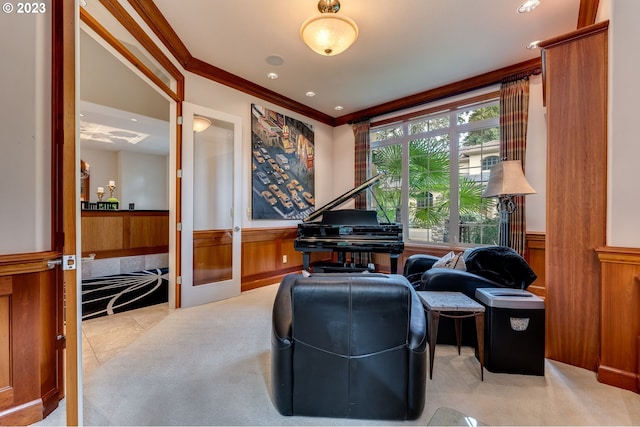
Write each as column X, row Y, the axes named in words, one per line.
column 348, row 346
column 415, row 266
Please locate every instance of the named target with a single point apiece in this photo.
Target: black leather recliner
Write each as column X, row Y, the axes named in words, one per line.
column 348, row 345
column 415, row 265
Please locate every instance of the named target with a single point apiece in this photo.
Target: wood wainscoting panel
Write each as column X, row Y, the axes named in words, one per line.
column 102, row 233
column 51, row 365
column 29, row 356
column 212, row 256
column 263, row 256
column 535, row 256
column 26, row 331
column 620, row 321
column 294, row 258
column 148, row 231
column 6, row 289
column 110, row 234
column 259, row 257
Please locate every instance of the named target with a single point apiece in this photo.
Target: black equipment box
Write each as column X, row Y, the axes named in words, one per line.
column 514, row 331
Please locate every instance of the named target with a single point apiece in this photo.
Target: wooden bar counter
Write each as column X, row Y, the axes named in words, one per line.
column 119, row 233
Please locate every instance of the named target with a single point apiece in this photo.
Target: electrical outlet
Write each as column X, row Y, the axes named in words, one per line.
column 284, row 259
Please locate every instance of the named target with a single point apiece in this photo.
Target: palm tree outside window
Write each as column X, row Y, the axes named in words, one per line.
column 435, row 172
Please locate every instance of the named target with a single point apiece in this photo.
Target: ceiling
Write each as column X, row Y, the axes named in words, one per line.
column 405, row 47
column 104, row 128
column 117, row 108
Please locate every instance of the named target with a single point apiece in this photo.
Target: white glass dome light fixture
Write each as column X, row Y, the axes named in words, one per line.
column 200, row 123
column 329, row 34
column 528, row 6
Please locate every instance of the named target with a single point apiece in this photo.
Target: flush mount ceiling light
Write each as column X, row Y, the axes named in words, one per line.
column 109, row 134
column 533, row 45
column 200, row 123
column 329, row 34
column 528, row 6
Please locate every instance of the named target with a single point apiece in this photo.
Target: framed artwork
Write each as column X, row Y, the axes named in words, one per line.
column 282, row 164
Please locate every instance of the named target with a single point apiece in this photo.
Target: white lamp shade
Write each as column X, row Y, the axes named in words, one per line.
column 507, row 178
column 329, row 34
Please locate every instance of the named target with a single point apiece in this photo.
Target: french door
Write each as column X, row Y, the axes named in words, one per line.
column 38, row 214
column 211, row 205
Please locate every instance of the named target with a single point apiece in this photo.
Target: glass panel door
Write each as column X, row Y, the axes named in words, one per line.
column 211, row 206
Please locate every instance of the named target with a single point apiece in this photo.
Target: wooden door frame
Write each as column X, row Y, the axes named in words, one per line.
column 65, row 206
column 65, row 145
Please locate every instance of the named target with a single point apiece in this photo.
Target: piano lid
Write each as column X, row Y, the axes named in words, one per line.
column 344, row 197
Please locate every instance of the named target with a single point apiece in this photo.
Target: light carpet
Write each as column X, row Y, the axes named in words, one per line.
column 210, row 365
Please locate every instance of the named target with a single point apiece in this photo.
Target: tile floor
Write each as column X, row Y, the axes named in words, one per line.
column 104, row 337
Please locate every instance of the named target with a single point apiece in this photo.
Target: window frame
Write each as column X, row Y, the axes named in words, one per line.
column 454, row 132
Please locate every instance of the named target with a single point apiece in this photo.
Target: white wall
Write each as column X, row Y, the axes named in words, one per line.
column 623, row 205
column 143, row 180
column 120, row 88
column 206, row 93
column 103, row 167
column 343, row 160
column 25, row 126
column 140, row 178
column 535, row 168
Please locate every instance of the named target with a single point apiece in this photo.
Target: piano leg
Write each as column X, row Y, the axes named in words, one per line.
column 305, row 260
column 393, row 259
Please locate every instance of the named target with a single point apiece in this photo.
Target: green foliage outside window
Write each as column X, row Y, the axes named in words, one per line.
column 429, row 167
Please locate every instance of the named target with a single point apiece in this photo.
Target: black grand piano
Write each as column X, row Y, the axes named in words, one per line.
column 349, row 231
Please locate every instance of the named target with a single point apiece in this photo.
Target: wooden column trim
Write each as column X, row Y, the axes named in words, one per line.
column 63, row 120
column 620, row 326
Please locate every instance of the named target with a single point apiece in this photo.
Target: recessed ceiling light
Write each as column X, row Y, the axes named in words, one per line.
column 310, row 94
column 338, row 108
column 533, row 45
column 134, row 120
column 272, row 76
column 528, row 6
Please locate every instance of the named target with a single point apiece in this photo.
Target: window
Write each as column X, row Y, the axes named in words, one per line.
column 489, row 161
column 435, row 170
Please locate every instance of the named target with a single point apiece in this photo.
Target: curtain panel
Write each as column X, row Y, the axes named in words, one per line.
column 514, row 114
column 362, row 147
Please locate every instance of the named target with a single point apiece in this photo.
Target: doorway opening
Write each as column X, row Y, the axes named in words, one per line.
column 128, row 150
